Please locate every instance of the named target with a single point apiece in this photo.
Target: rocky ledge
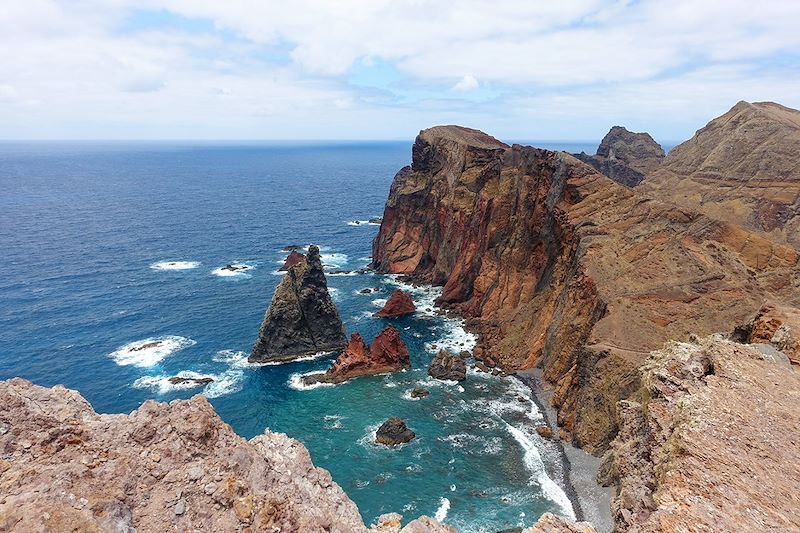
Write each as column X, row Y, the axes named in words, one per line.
column 399, row 303
column 625, row 157
column 173, row 467
column 708, row 443
column 301, row 319
column 388, row 353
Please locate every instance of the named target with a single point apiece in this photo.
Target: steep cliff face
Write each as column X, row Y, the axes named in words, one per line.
column 709, row 443
column 301, row 319
column 625, row 157
column 742, row 167
column 559, row 267
column 173, row 467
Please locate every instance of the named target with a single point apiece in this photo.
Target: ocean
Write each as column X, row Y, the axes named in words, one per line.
column 105, row 247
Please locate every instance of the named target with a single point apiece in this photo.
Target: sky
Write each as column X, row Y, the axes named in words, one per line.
column 384, row 69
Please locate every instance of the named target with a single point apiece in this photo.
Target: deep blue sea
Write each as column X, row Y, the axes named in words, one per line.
column 107, row 246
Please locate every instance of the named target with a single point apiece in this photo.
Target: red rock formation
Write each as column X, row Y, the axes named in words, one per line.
column 388, row 353
column 559, row 267
column 398, row 304
column 292, row 259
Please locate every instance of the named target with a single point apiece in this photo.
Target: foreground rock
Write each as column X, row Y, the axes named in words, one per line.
column 550, row 523
column 710, row 444
column 393, row 432
column 741, row 167
column 301, row 319
column 558, row 267
column 399, row 303
column 388, row 353
column 447, row 367
column 292, row 259
column 625, row 157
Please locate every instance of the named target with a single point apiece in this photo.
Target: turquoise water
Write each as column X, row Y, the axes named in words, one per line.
column 108, row 246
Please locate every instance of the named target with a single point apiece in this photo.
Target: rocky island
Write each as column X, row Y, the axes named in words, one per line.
column 399, row 303
column 301, row 319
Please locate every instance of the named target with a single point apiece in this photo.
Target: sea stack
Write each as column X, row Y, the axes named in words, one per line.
column 398, row 304
column 301, row 319
column 292, row 259
column 447, row 367
column 625, row 157
column 388, row 353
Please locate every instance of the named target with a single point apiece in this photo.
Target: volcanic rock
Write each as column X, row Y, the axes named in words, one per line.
column 420, row 392
column 388, row 353
column 550, row 523
column 775, row 325
column 625, row 157
column 448, row 367
column 558, row 267
column 742, row 167
column 393, row 432
column 398, row 304
column 544, row 432
column 178, row 380
column 708, row 441
column 292, row 259
column 301, row 319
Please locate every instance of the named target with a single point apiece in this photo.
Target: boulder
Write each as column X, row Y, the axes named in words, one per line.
column 301, row 319
column 446, row 366
column 420, row 392
column 393, row 432
column 388, row 353
column 399, row 303
column 292, row 259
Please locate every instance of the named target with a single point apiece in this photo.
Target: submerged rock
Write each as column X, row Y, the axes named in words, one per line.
column 393, row 432
column 178, row 380
column 388, row 353
column 301, row 319
column 448, row 367
column 292, row 259
column 399, row 303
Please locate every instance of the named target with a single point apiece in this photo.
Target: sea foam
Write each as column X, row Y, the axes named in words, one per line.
column 150, row 351
column 175, row 265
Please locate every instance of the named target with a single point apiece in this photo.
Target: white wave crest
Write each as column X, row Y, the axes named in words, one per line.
column 441, row 512
column 333, row 260
column 357, row 223
column 296, row 382
column 150, row 351
column 233, row 269
column 175, row 265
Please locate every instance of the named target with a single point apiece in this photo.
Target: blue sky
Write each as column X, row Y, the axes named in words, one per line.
column 380, row 69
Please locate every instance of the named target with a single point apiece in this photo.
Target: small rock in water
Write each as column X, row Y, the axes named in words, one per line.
column 419, row 392
column 448, row 367
column 393, row 432
column 177, row 380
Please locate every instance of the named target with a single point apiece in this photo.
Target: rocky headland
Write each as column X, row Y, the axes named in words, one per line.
column 388, row 353
column 301, row 319
column 625, row 157
column 399, row 303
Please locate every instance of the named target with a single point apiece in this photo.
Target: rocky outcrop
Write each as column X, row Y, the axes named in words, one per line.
column 393, row 432
column 173, row 467
column 625, row 157
column 292, row 259
column 399, row 303
column 776, row 326
column 301, row 319
column 448, row 367
column 741, row 167
column 550, row 523
column 195, row 382
column 557, row 266
column 709, row 443
column 388, row 353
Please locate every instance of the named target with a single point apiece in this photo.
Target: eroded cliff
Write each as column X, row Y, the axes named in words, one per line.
column 559, row 267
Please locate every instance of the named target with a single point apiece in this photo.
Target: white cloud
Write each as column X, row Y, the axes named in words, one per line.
column 467, row 83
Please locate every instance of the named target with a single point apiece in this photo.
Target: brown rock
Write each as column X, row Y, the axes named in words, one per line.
column 178, row 380
column 292, row 259
column 388, row 353
column 420, row 392
column 775, row 325
column 393, row 432
column 544, row 432
column 398, row 304
column 625, row 157
column 559, row 267
column 709, row 443
column 448, row 367
column 550, row 523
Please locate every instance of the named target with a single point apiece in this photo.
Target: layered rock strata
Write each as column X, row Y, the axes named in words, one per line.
column 399, row 303
column 625, row 157
column 301, row 319
column 388, row 353
column 742, row 167
column 557, row 266
column 709, row 443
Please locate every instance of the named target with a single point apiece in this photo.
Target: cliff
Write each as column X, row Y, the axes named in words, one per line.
column 161, row 468
column 557, row 266
column 742, row 167
column 709, row 443
column 625, row 157
column 301, row 319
